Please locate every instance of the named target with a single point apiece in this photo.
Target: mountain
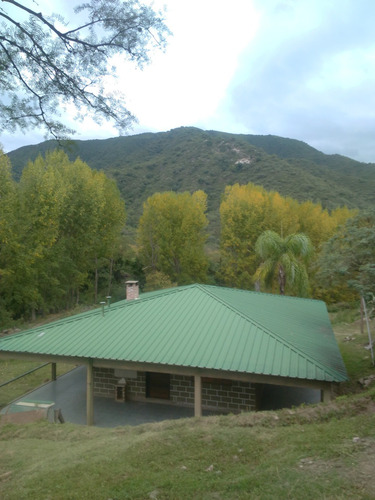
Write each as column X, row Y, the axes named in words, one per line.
column 187, row 159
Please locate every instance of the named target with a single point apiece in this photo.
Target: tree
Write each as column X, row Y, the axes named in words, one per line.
column 156, row 280
column 171, row 236
column 9, row 236
column 111, row 220
column 349, row 256
column 247, row 211
column 72, row 219
column 45, row 64
column 242, row 214
column 286, row 257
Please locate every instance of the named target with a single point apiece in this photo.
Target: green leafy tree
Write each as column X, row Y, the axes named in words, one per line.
column 9, row 238
column 8, row 206
column 41, row 190
column 156, row 280
column 171, row 235
column 46, row 62
column 284, row 259
column 72, row 220
column 348, row 258
column 111, row 217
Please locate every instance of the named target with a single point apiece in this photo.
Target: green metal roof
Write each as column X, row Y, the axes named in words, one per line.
column 199, row 326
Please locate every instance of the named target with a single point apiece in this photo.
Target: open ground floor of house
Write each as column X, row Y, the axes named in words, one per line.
column 147, row 397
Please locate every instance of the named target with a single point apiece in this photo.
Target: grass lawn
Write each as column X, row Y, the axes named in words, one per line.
column 326, row 451
column 352, row 345
column 312, row 452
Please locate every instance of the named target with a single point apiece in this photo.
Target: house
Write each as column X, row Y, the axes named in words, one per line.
column 197, row 345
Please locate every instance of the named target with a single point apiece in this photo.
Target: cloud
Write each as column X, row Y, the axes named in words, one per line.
column 309, row 75
column 304, row 70
column 185, row 85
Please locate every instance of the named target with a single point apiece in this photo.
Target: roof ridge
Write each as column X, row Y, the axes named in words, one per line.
column 274, row 295
column 68, row 319
column 272, row 334
column 97, row 311
column 158, row 293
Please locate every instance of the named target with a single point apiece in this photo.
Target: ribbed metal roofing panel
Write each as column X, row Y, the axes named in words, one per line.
column 302, row 324
column 200, row 326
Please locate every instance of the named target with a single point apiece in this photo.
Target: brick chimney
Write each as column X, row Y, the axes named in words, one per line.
column 132, row 290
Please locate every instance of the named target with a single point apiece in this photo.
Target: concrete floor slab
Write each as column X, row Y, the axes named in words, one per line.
column 68, row 393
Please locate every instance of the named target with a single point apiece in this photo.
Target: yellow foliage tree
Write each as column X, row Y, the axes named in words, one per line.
column 171, row 235
column 248, row 210
column 242, row 213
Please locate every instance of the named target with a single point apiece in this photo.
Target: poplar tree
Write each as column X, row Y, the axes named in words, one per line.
column 171, row 236
column 9, row 238
column 72, row 218
column 247, row 211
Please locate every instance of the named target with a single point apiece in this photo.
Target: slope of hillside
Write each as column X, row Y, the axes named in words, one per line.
column 187, row 159
column 326, row 451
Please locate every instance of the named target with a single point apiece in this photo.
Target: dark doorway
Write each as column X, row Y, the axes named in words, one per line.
column 158, row 385
column 275, row 397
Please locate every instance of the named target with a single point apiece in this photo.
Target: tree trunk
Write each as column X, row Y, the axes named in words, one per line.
column 96, row 281
column 110, row 276
column 282, row 280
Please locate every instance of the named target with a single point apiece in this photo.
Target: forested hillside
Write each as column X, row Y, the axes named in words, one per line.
column 189, row 159
column 200, row 202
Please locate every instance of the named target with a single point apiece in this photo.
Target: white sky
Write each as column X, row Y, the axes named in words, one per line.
column 294, row 68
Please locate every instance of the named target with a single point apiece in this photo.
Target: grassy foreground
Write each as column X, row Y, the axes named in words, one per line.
column 326, row 451
column 312, row 452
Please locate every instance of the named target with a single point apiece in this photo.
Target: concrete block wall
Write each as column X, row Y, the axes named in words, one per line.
column 106, row 380
column 231, row 396
column 136, row 387
column 182, row 390
column 234, row 396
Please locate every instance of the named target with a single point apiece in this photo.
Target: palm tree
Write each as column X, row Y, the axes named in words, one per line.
column 285, row 256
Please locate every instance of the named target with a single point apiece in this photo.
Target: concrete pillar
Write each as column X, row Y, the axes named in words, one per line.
column 90, row 393
column 53, row 371
column 197, row 396
column 326, row 394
